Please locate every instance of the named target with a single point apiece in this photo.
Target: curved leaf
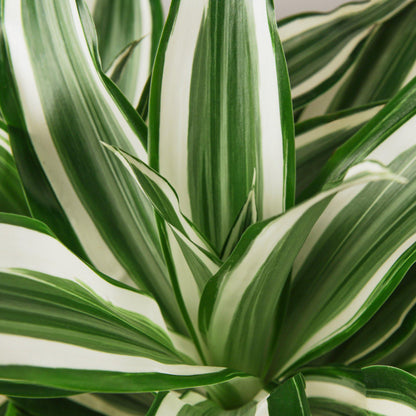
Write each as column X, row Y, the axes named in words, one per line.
column 242, row 306
column 65, row 326
column 56, row 126
column 317, row 138
column 377, row 390
column 320, row 47
column 363, row 243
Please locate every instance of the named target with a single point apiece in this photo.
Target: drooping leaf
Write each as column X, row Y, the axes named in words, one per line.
column 243, row 304
column 230, row 117
column 120, row 24
column 56, row 125
column 363, row 243
column 318, row 138
column 372, row 391
column 65, row 326
column 320, row 47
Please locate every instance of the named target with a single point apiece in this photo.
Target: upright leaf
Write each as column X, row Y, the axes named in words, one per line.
column 243, row 305
column 56, row 124
column 220, row 110
column 118, row 24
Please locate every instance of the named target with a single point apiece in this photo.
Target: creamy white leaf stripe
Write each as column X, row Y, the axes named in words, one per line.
column 328, row 70
column 314, row 135
column 173, row 123
column 398, row 143
column 96, row 248
column 19, row 350
column 239, row 277
column 38, row 252
column 273, row 174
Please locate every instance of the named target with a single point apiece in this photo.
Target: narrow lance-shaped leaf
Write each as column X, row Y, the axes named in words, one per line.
column 375, row 391
column 318, row 138
column 384, row 73
column 392, row 326
column 65, row 326
column 320, row 47
column 386, row 64
column 242, row 305
column 12, row 198
column 190, row 258
column 118, row 24
column 363, row 243
column 230, row 116
column 72, row 184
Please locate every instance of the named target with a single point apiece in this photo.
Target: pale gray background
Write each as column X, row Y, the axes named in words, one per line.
column 287, row 7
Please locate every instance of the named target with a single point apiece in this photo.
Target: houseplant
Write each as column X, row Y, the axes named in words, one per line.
column 170, row 267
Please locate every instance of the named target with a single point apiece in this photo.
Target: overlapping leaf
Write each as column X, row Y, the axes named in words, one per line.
column 318, row 138
column 56, row 124
column 130, row 27
column 363, row 243
column 64, row 326
column 243, row 305
column 287, row 399
column 385, row 64
column 378, row 391
column 219, row 85
column 320, row 47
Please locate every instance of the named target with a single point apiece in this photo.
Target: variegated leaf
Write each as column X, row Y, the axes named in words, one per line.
column 220, row 111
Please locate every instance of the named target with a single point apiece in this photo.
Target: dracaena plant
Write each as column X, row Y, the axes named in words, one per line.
column 172, row 243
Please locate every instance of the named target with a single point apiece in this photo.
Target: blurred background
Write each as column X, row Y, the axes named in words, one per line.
column 287, row 7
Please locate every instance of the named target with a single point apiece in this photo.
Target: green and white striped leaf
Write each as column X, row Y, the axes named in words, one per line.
column 372, row 391
column 386, row 64
column 363, row 243
column 320, row 47
column 288, row 399
column 65, row 326
column 220, row 110
column 389, row 328
column 119, row 26
column 318, row 138
column 243, row 305
column 12, row 198
column 72, row 184
column 191, row 260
